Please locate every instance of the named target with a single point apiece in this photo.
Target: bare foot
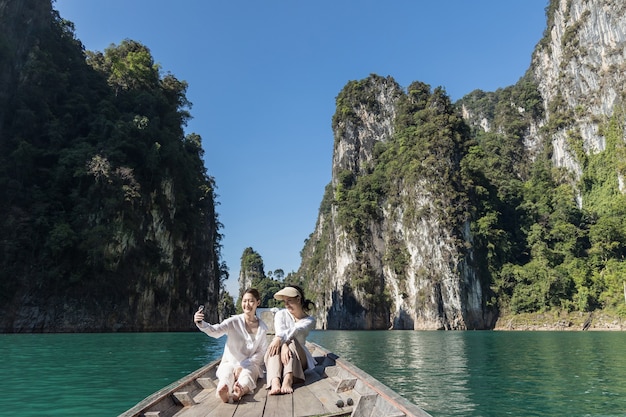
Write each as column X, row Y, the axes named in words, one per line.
column 223, row 393
column 239, row 391
column 275, row 389
column 287, row 387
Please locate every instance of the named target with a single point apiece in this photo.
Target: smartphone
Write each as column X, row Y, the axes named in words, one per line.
column 200, row 310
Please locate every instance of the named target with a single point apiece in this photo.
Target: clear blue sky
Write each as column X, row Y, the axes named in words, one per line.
column 263, row 77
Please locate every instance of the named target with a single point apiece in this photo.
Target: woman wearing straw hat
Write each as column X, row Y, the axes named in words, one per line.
column 287, row 358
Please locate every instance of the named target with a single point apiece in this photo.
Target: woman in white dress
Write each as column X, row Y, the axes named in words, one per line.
column 246, row 343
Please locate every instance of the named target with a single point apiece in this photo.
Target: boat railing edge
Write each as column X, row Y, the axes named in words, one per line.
column 168, row 390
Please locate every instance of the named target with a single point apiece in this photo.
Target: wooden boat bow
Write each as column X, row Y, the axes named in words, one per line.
column 334, row 388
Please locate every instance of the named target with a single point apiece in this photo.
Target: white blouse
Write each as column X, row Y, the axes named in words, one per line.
column 287, row 328
column 242, row 348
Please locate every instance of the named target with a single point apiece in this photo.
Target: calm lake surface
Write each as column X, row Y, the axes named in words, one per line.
column 467, row 374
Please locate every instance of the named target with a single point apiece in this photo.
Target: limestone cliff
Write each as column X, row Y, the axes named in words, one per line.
column 107, row 215
column 402, row 263
column 579, row 69
column 394, row 244
column 251, row 269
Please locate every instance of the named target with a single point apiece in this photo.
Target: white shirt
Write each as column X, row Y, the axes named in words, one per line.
column 241, row 348
column 287, row 328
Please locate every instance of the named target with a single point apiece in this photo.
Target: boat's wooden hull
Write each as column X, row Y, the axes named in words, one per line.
column 335, row 388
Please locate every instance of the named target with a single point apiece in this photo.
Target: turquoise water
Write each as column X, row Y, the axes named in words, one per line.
column 467, row 374
column 92, row 375
column 495, row 373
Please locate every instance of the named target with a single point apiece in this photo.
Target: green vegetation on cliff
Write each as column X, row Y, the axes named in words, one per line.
column 535, row 247
column 103, row 195
column 543, row 250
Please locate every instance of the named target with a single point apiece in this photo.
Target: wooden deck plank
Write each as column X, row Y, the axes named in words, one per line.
column 253, row 405
column 217, row 409
column 204, row 395
column 306, row 403
column 279, row 406
column 205, row 407
column 326, row 395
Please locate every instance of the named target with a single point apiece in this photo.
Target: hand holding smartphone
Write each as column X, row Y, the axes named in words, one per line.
column 199, row 316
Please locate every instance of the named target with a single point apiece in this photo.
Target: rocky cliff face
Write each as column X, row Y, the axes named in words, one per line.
column 413, row 267
column 20, row 19
column 579, row 67
column 407, row 268
column 93, row 238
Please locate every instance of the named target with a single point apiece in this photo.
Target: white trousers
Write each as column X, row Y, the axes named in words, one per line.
column 226, row 376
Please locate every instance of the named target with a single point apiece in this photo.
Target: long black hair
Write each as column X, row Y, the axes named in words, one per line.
column 306, row 304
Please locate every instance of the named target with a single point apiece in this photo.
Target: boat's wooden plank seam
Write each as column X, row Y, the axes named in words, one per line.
column 279, row 406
